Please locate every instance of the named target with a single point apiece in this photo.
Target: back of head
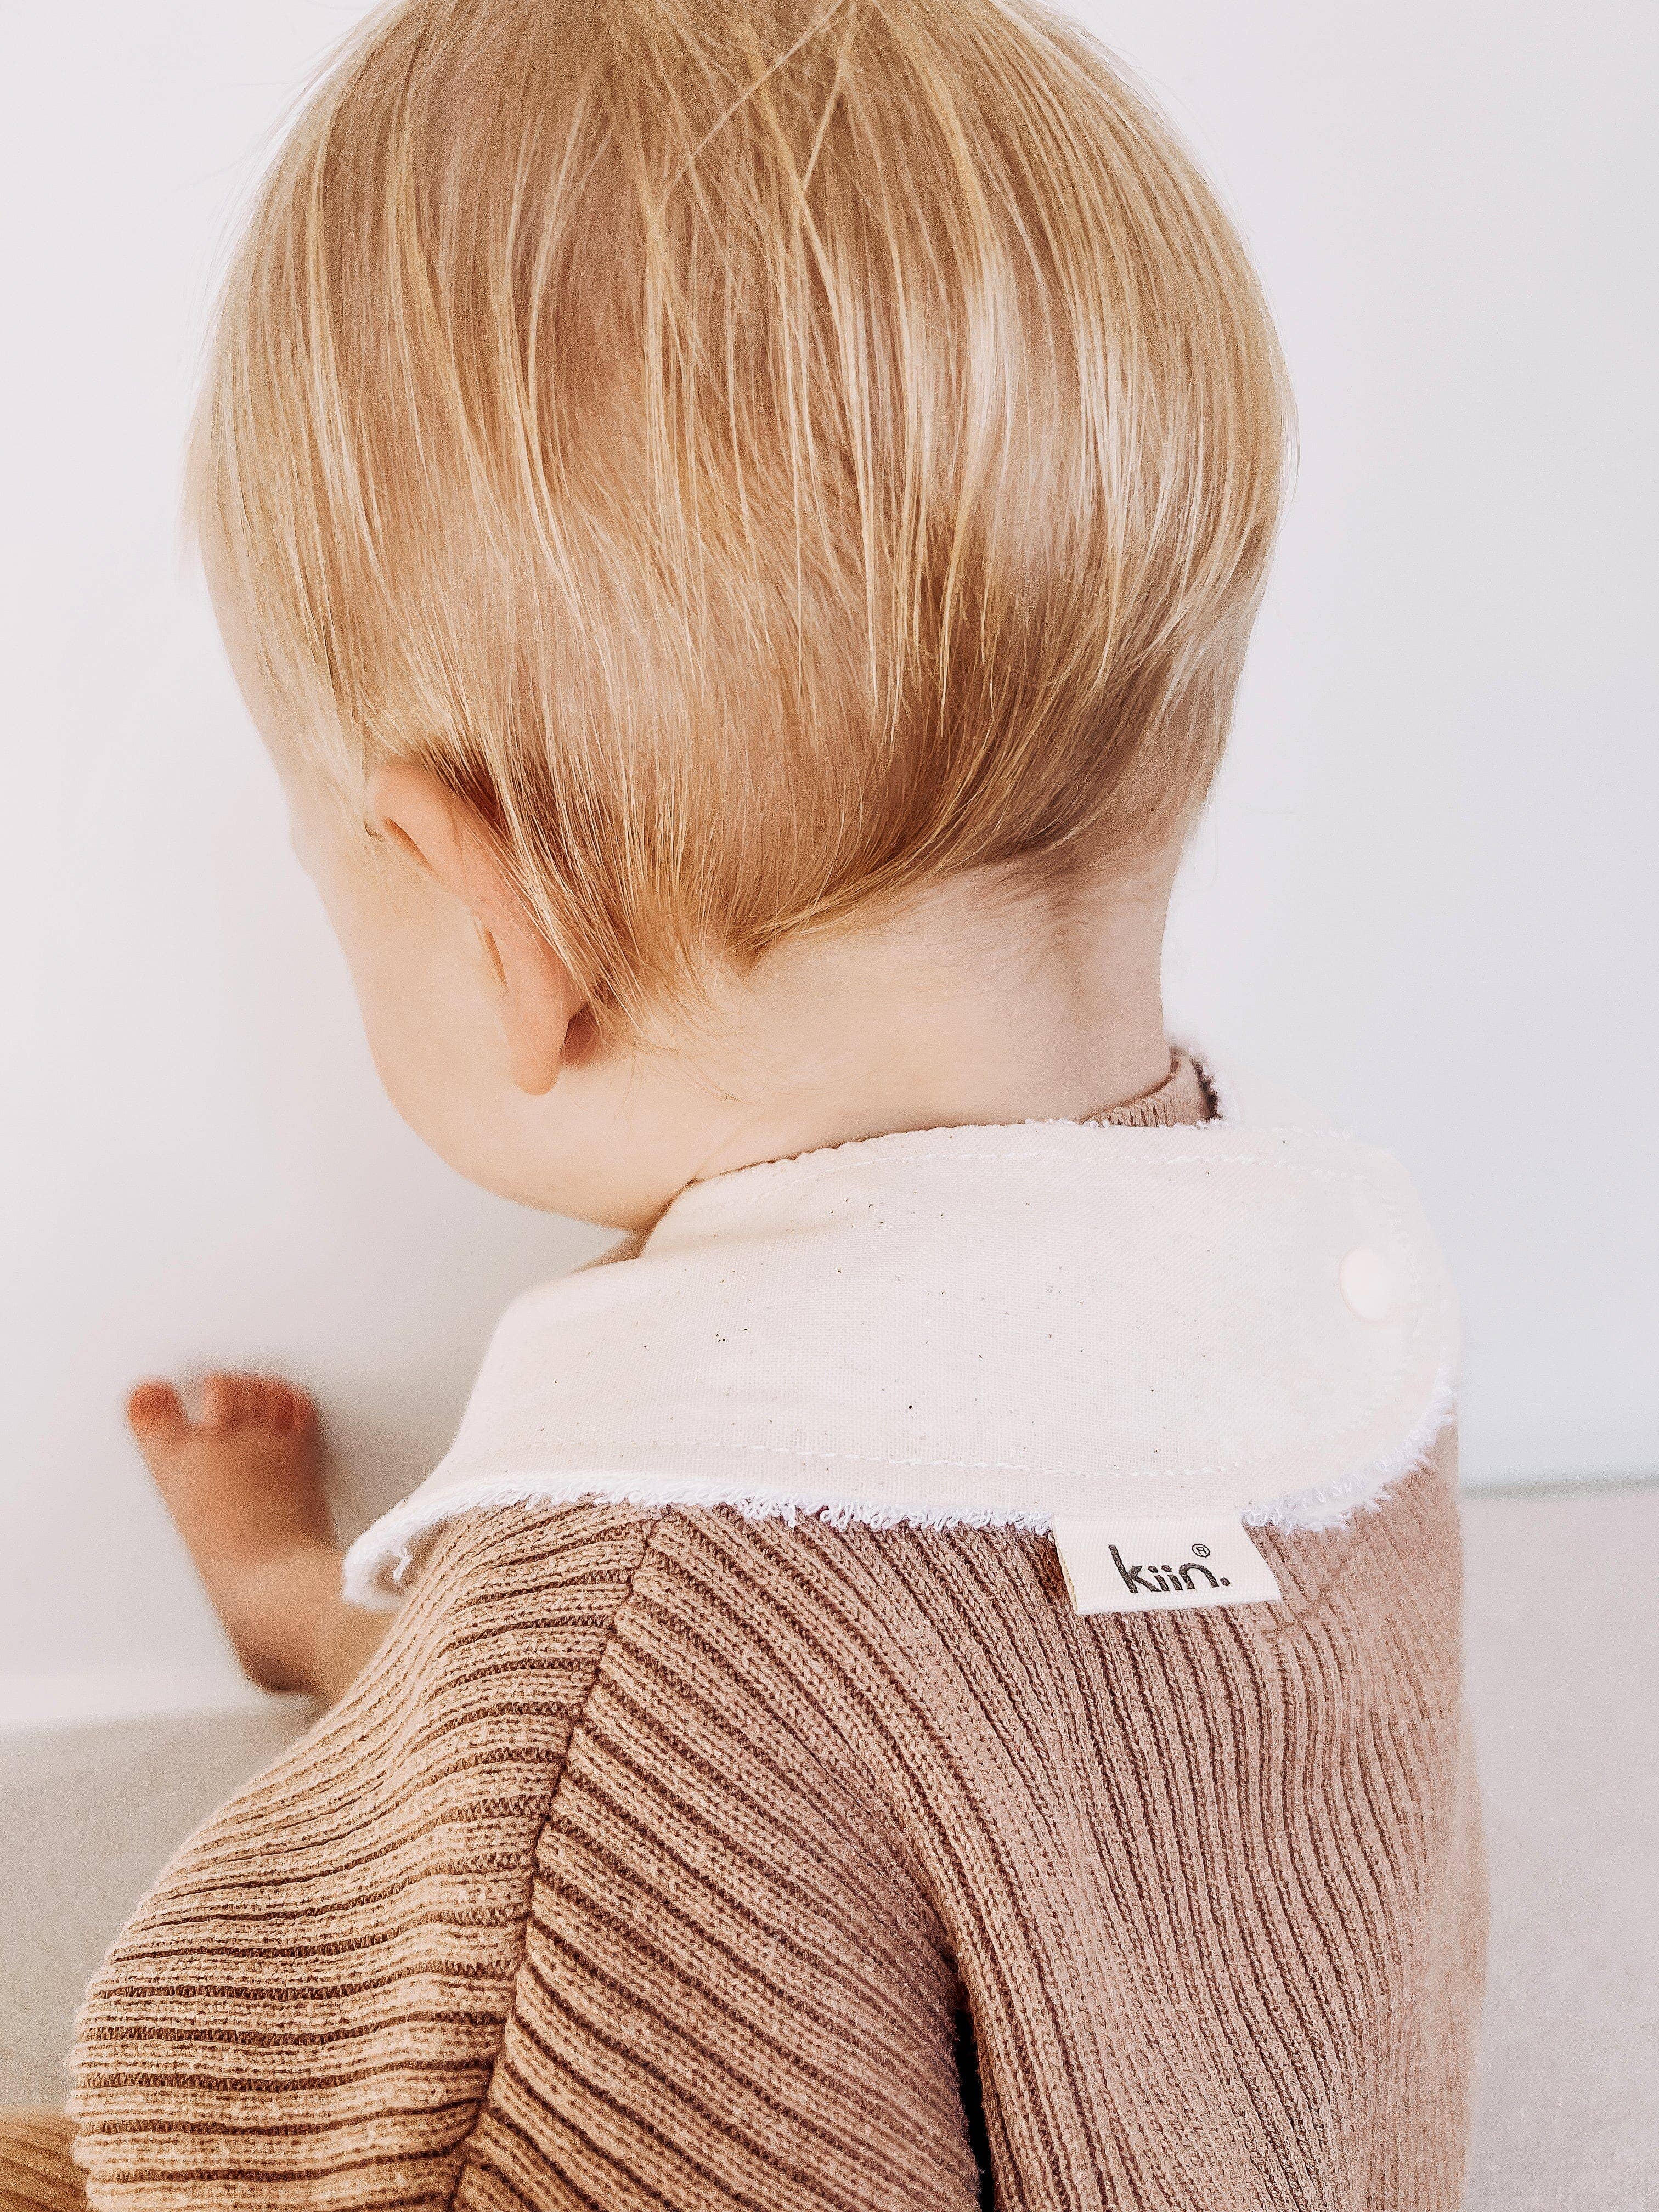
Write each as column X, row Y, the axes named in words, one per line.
column 768, row 455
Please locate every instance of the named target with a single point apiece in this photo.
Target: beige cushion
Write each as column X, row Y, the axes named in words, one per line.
column 1563, row 1675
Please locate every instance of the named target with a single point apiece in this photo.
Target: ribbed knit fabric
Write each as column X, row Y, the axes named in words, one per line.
column 664, row 1861
column 650, row 1862
column 1179, row 1098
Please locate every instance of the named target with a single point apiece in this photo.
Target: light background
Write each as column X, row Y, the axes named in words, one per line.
column 1425, row 894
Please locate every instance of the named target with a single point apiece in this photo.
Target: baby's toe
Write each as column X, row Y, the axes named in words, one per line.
column 299, row 1415
column 282, row 1406
column 157, row 1417
column 222, row 1401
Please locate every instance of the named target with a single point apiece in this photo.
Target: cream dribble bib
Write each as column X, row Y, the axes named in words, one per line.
column 1141, row 1340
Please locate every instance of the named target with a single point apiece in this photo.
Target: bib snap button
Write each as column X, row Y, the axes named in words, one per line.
column 1366, row 1282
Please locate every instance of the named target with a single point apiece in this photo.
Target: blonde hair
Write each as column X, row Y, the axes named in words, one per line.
column 768, row 454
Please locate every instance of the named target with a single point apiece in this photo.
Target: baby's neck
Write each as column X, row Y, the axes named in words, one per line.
column 970, row 1005
column 965, row 1009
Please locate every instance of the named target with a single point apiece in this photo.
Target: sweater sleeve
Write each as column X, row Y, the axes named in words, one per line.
column 577, row 1899
column 307, row 2008
column 736, row 1993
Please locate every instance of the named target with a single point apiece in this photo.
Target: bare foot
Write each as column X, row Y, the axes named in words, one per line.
column 244, row 1485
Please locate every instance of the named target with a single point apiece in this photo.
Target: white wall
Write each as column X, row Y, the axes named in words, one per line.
column 1426, row 893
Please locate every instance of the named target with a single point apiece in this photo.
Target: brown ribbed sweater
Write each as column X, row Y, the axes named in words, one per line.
column 664, row 1861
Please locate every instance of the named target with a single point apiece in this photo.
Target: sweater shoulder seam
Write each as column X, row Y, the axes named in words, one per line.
column 578, row 1717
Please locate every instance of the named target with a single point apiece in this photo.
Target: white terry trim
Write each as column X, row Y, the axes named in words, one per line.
column 379, row 1565
column 1367, row 1488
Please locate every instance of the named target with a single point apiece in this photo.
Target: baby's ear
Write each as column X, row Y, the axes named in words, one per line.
column 449, row 841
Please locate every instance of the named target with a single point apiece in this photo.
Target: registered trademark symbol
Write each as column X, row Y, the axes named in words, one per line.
column 1202, row 1550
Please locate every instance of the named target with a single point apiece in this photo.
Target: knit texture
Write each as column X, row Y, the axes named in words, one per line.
column 1179, row 1101
column 653, row 1860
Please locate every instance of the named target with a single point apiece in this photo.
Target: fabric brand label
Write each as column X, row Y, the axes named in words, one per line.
column 1174, row 1563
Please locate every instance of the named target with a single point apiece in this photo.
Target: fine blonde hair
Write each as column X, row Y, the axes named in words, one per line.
column 768, row 455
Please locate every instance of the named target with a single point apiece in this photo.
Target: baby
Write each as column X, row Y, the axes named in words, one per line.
column 930, row 1677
